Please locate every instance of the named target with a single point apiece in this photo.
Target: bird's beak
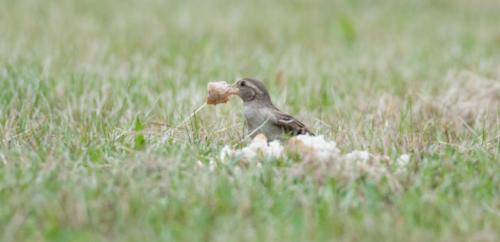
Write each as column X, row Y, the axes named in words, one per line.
column 234, row 89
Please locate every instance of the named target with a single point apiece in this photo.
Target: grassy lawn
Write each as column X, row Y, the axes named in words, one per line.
column 92, row 91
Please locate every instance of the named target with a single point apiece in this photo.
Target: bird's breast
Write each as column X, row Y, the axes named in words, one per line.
column 255, row 116
column 261, row 119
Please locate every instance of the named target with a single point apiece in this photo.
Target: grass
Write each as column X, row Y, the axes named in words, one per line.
column 90, row 92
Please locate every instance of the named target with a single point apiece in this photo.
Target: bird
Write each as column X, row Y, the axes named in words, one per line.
column 262, row 116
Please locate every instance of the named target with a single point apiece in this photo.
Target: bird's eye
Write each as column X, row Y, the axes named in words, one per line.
column 242, row 83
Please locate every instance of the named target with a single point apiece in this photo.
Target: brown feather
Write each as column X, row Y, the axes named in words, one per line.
column 289, row 124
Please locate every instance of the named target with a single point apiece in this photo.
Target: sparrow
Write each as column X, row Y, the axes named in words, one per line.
column 262, row 116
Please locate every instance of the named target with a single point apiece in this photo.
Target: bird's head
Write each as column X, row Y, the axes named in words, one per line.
column 252, row 90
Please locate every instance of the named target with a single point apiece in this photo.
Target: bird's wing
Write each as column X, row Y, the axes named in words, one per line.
column 289, row 124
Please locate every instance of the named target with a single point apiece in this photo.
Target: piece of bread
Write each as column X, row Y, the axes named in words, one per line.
column 219, row 92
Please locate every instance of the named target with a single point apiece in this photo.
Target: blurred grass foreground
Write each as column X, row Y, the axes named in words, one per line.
column 90, row 92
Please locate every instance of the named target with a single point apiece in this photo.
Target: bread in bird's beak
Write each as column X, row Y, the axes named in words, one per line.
column 219, row 92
